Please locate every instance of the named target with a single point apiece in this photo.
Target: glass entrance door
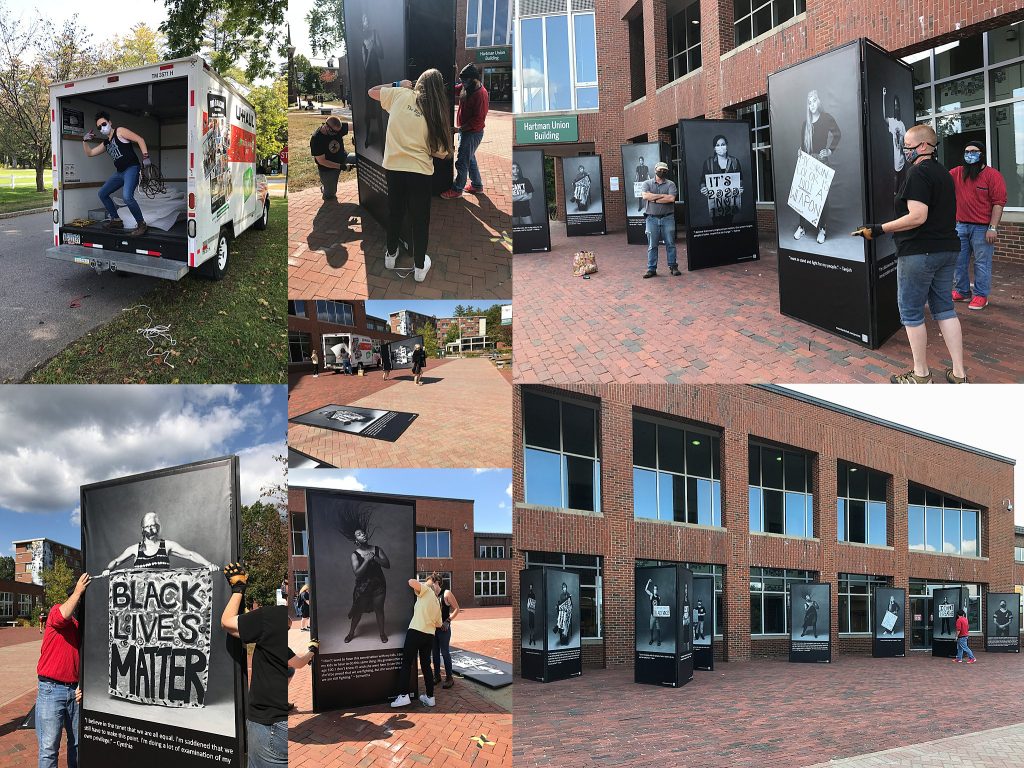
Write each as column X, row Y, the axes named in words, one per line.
column 920, row 623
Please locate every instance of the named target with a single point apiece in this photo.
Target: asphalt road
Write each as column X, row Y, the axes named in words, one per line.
column 36, row 293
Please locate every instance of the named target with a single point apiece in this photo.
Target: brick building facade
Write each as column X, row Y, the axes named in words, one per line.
column 406, row 322
column 454, row 542
column 31, row 556
column 643, row 91
column 19, row 600
column 604, row 524
column 309, row 320
column 487, row 43
column 468, row 326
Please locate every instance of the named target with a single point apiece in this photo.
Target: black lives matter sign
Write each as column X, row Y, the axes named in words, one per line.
column 160, row 635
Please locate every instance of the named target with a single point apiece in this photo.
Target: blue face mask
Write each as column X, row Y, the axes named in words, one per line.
column 972, row 157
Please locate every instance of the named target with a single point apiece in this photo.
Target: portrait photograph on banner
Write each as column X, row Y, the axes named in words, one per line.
column 584, row 196
column 530, row 224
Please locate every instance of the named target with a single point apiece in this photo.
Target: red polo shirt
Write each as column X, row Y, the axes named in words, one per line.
column 975, row 198
column 59, row 657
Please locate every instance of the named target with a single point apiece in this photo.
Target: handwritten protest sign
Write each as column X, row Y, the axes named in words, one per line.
column 723, row 193
column 160, row 635
column 812, row 180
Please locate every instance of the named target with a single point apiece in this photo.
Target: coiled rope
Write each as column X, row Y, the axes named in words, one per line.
column 158, row 336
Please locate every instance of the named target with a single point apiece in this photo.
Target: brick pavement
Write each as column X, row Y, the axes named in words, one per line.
column 465, row 418
column 410, row 737
column 721, row 325
column 336, row 250
column 763, row 713
column 17, row 696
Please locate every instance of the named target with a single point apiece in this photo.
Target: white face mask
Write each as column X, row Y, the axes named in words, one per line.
column 105, row 129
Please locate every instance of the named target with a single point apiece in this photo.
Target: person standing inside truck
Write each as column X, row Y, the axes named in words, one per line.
column 117, row 142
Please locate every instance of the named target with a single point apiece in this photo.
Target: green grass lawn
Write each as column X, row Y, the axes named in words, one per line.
column 23, row 198
column 230, row 331
column 302, row 172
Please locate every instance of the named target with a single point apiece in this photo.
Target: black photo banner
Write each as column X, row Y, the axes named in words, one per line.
column 353, row 420
column 946, row 603
column 359, row 612
column 889, row 624
column 1002, row 622
column 638, row 161
column 550, row 646
column 721, row 215
column 531, row 230
column 163, row 685
column 703, row 621
column 401, row 351
column 810, row 622
column 584, row 195
column 663, row 625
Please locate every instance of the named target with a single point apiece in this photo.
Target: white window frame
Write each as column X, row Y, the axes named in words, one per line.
column 7, row 605
column 437, row 532
column 495, row 579
column 492, row 552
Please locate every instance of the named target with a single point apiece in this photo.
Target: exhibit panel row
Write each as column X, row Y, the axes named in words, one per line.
column 550, row 639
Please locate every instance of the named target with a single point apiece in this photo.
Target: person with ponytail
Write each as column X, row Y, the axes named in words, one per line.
column 419, row 129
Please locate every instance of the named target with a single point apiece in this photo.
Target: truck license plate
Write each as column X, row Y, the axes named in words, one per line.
column 82, row 260
column 72, row 239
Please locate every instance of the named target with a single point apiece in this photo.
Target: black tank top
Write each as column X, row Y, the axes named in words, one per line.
column 121, row 152
column 159, row 561
column 445, row 608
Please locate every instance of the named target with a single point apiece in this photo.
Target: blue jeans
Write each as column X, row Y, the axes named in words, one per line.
column 56, row 711
column 660, row 228
column 466, row 161
column 442, row 647
column 268, row 744
column 129, row 179
column 961, row 649
column 925, row 278
column 972, row 238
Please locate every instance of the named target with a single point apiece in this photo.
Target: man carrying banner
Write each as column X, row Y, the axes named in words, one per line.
column 152, row 552
column 59, row 696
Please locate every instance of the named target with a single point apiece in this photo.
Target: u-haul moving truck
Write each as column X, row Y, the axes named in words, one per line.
column 365, row 349
column 200, row 132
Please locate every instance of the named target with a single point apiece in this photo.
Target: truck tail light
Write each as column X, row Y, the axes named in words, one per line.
column 55, row 194
column 191, row 201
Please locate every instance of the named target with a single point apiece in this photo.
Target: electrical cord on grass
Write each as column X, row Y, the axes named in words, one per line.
column 158, row 336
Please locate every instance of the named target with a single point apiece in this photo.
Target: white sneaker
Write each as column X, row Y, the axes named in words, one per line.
column 389, row 258
column 821, row 236
column 402, row 701
column 419, row 276
column 428, row 700
column 799, row 233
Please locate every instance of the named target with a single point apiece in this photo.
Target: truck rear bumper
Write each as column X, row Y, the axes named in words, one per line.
column 117, row 261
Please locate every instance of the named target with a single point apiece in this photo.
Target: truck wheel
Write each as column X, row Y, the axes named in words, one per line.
column 217, row 267
column 265, row 218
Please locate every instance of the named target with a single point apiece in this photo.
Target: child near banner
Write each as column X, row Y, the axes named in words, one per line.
column 419, row 640
column 962, row 632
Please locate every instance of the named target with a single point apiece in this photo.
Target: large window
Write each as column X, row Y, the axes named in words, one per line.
column 1018, row 554
column 943, row 524
column 299, row 346
column 861, row 505
column 755, row 17
column 297, row 308
column 781, row 496
column 856, row 601
column 769, row 598
column 676, row 473
column 489, row 552
column 299, row 579
column 488, row 23
column 973, row 606
column 6, row 604
column 489, row 584
column 300, row 537
column 562, row 468
column 683, row 37
column 589, row 569
column 24, row 605
column 702, row 568
column 756, row 115
column 556, row 55
column 338, row 312
column 433, row 542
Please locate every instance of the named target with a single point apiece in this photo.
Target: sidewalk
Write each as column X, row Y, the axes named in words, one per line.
column 19, row 654
column 336, row 249
column 721, row 325
column 464, row 407
column 409, row 737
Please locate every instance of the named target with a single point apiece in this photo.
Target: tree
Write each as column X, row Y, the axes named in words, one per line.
column 265, row 544
column 143, row 45
column 311, row 82
column 326, row 21
column 6, row 568
column 429, row 334
column 56, row 582
column 460, row 310
column 271, row 105
column 226, row 32
column 452, row 334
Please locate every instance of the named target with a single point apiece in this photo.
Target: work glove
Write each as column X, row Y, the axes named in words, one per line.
column 89, row 136
column 237, row 576
column 314, row 646
column 868, row 231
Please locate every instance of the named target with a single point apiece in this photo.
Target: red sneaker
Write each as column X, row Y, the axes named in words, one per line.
column 957, row 296
column 971, row 661
column 474, row 190
column 956, row 661
column 978, row 302
column 451, row 194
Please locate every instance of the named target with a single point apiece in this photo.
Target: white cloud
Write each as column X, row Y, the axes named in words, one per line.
column 481, row 470
column 326, row 478
column 76, row 516
column 258, row 469
column 508, row 491
column 502, row 505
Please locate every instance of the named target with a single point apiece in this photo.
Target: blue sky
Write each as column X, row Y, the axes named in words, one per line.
column 436, row 308
column 59, row 438
column 490, row 489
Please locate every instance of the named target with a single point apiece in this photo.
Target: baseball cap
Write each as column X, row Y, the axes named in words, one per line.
column 661, row 166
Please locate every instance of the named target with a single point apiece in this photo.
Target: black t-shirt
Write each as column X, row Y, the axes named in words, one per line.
column 331, row 147
column 928, row 182
column 268, row 688
column 521, row 187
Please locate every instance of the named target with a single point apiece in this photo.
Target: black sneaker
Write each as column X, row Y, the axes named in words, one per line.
column 650, row 273
column 674, row 271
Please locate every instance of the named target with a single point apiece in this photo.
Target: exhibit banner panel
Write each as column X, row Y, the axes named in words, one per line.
column 390, row 40
column 703, row 621
column 684, row 633
column 531, row 230
column 810, row 622
column 584, row 196
column 946, row 602
column 158, row 672
column 721, row 217
column 889, row 633
column 1002, row 622
column 362, row 553
column 532, row 616
column 655, row 616
column 550, row 646
column 638, row 161
column 401, row 351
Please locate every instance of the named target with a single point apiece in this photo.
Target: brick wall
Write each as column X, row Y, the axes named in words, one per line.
column 741, row 413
